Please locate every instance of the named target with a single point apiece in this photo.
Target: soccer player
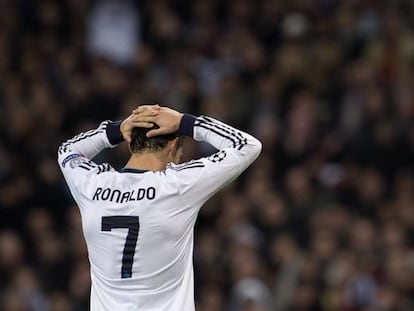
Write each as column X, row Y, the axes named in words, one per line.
column 138, row 222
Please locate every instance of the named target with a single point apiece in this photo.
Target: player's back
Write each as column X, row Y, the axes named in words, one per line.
column 139, row 225
column 140, row 239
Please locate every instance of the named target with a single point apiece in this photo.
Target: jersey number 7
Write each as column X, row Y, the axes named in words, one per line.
column 121, row 222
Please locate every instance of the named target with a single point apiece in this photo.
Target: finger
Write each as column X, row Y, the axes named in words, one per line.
column 157, row 132
column 128, row 133
column 127, row 136
column 146, row 107
column 145, row 119
column 149, row 111
column 145, row 113
column 143, row 107
column 143, row 124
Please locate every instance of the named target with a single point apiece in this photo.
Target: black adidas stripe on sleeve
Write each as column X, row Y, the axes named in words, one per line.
column 222, row 130
column 82, row 136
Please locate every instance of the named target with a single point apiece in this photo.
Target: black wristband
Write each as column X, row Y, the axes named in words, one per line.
column 187, row 125
column 113, row 132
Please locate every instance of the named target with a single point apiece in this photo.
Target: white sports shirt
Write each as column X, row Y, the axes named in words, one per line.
column 138, row 225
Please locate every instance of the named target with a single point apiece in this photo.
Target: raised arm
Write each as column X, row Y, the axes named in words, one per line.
column 90, row 143
column 203, row 177
column 203, row 128
column 75, row 155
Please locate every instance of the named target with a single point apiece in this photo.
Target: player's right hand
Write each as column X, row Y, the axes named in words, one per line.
column 166, row 118
column 135, row 120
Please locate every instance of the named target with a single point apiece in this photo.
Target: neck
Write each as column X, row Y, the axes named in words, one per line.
column 150, row 161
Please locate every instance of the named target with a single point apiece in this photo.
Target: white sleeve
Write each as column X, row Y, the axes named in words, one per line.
column 200, row 179
column 75, row 154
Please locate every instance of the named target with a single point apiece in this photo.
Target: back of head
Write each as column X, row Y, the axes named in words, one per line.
column 140, row 142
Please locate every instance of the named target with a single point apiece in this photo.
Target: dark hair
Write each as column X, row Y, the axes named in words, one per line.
column 140, row 142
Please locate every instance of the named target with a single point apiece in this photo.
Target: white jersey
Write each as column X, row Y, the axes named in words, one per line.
column 138, row 225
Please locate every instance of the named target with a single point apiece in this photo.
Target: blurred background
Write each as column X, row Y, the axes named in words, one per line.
column 324, row 219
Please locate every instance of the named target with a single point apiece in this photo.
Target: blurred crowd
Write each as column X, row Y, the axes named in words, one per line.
column 324, row 219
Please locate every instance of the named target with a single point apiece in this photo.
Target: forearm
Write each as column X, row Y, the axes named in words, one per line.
column 240, row 147
column 92, row 142
column 222, row 136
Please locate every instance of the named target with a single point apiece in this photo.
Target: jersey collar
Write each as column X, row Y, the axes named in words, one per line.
column 131, row 170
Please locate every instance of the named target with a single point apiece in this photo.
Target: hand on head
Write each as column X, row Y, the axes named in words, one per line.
column 166, row 118
column 135, row 120
column 146, row 116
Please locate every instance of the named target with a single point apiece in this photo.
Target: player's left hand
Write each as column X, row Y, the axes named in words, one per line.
column 135, row 120
column 167, row 119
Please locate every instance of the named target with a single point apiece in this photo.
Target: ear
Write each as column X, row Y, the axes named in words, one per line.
column 172, row 146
